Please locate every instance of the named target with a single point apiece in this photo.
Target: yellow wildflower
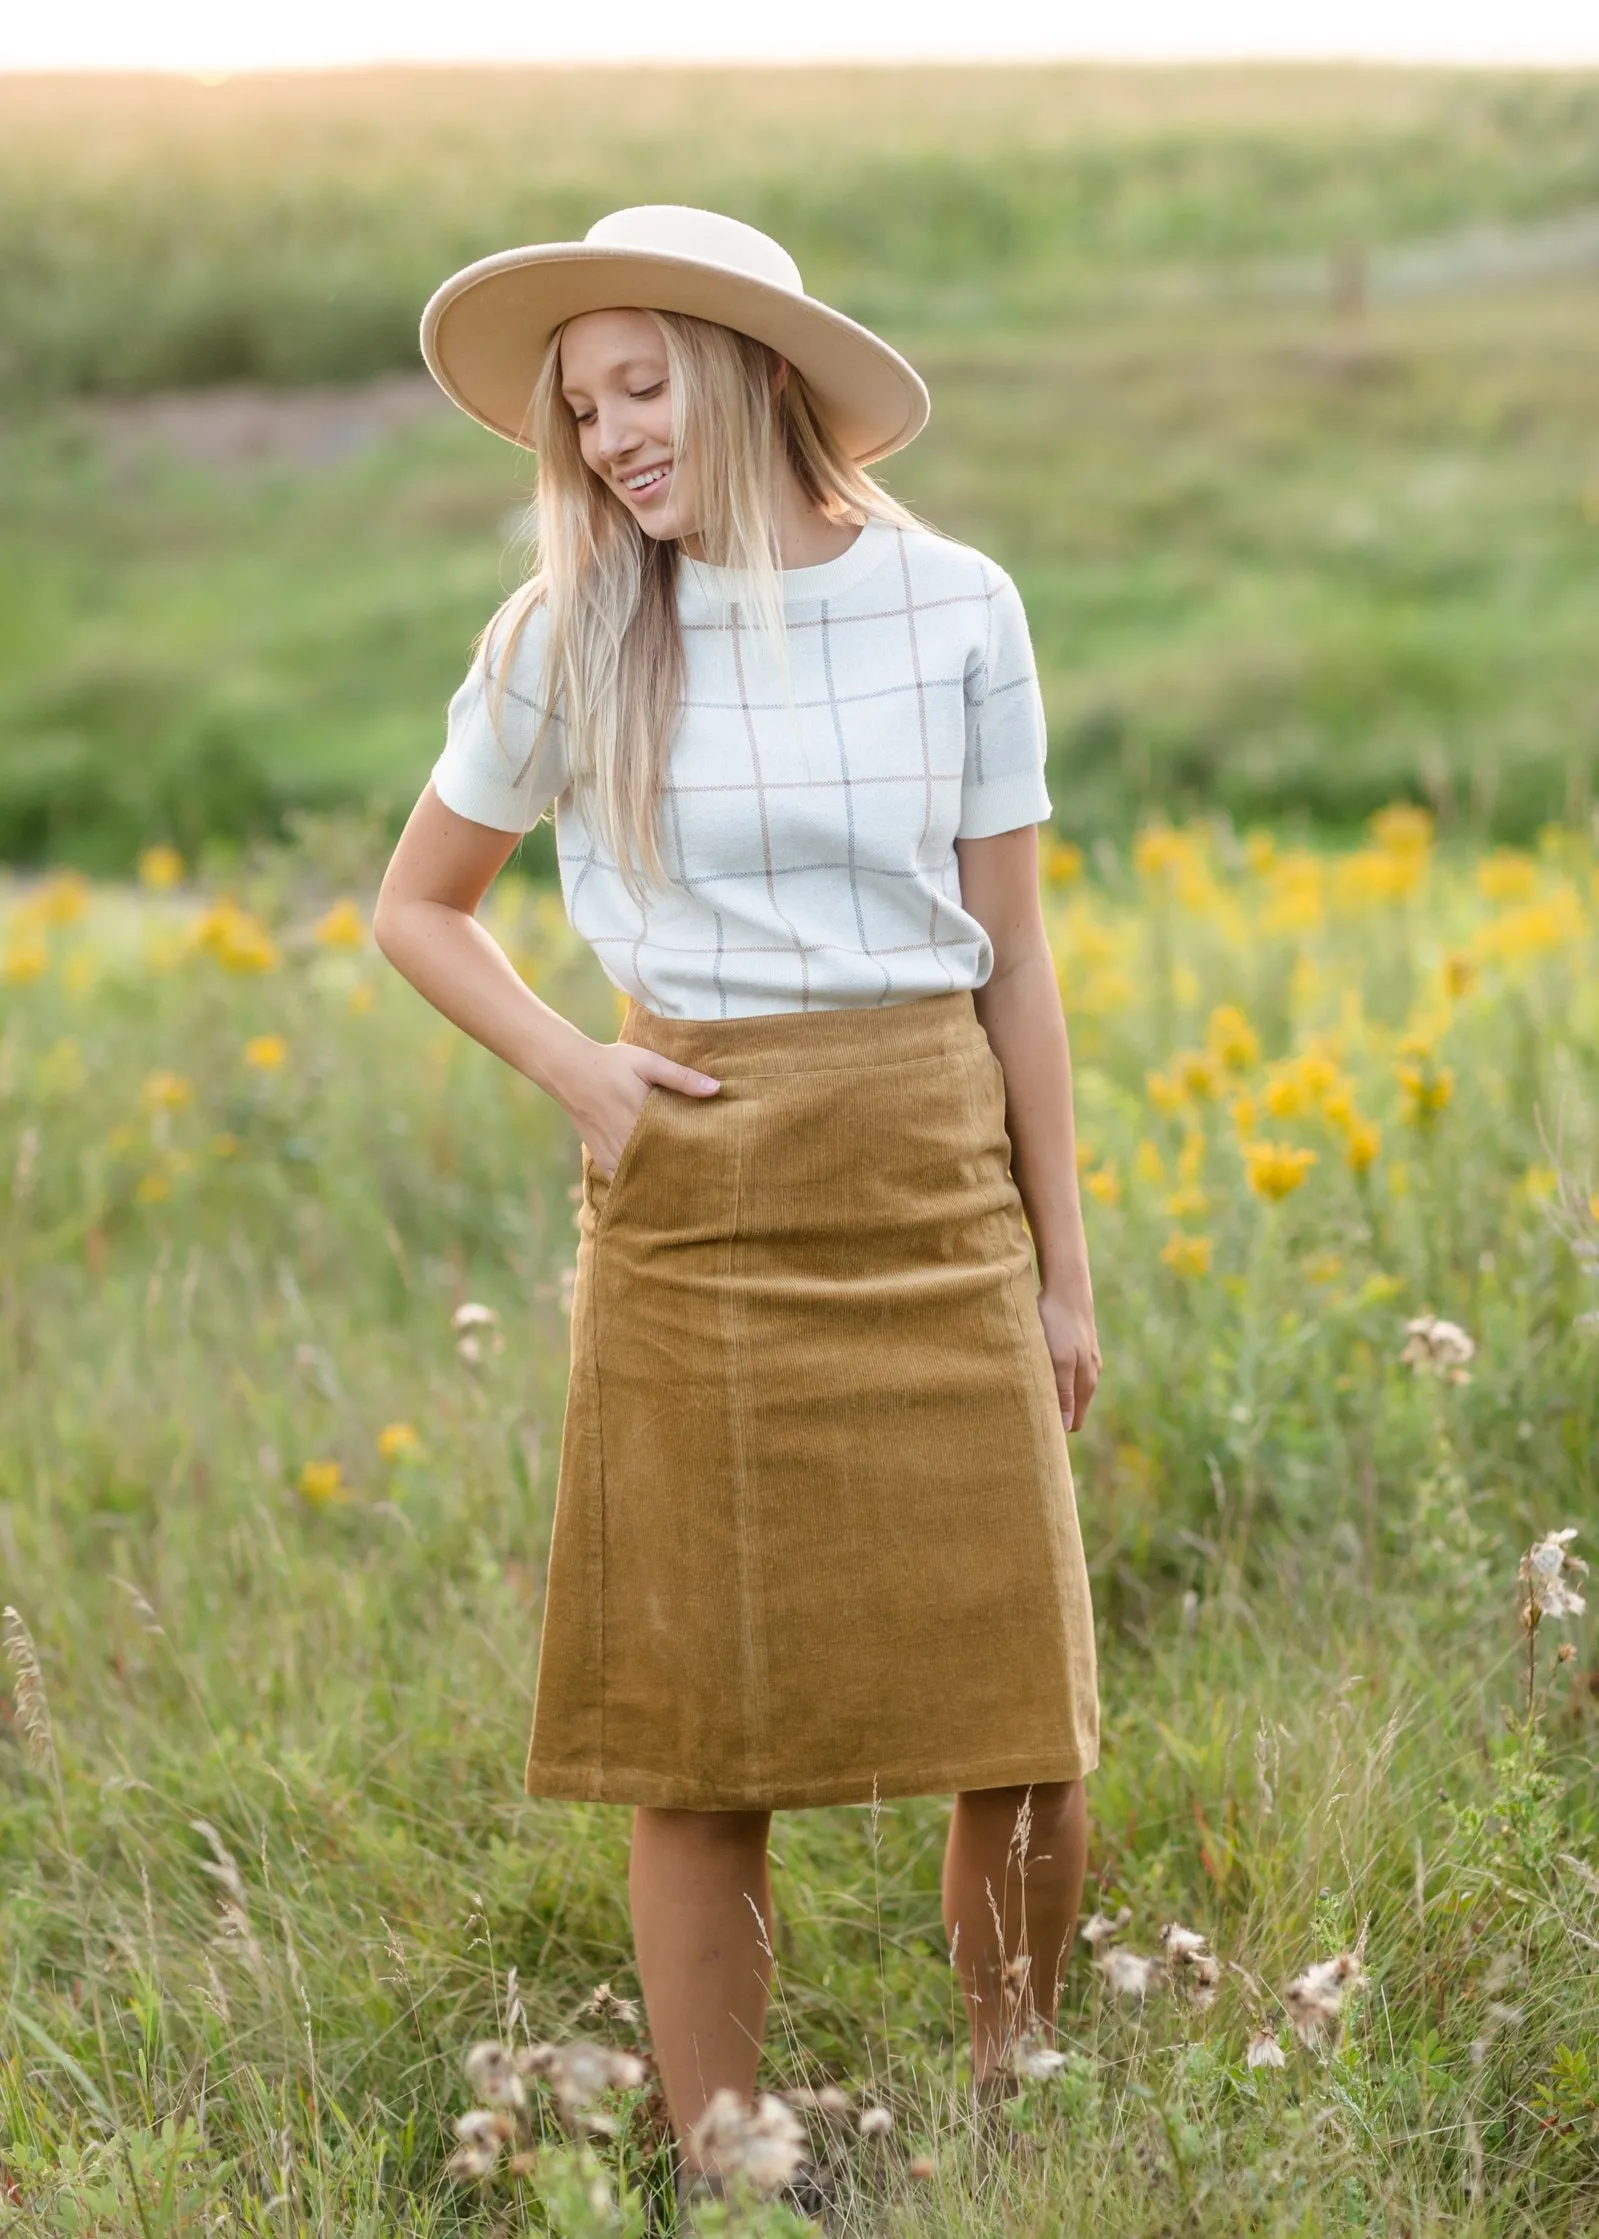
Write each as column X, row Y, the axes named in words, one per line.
column 1104, row 1185
column 1187, row 1203
column 266, row 1053
column 1427, row 1088
column 1199, row 1072
column 1063, row 863
column 160, row 868
column 342, row 927
column 1294, row 902
column 396, row 1440
column 238, row 941
column 1540, row 1181
column 1276, row 1170
column 80, row 972
column 1537, row 930
column 1166, row 1092
column 1085, row 1157
column 1260, row 850
column 1285, row 1095
column 23, row 959
column 1244, row 1111
column 1362, row 1142
column 1399, row 1178
column 224, row 1146
column 1185, row 1255
column 1233, row 1042
column 1191, row 1158
column 1402, row 828
column 322, row 1484
column 1161, row 853
column 1372, row 876
column 165, row 1092
column 1460, row 973
column 153, row 1188
column 1507, row 875
column 61, row 900
column 1148, row 1164
column 1323, row 1268
column 362, row 998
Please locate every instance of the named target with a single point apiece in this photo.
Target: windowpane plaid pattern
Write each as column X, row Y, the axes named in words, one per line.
column 808, row 826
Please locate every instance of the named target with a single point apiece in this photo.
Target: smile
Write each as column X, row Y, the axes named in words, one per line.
column 650, row 478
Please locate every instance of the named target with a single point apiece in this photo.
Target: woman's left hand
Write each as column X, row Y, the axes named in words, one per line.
column 1074, row 1348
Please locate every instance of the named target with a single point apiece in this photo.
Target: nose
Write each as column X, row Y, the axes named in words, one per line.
column 617, row 438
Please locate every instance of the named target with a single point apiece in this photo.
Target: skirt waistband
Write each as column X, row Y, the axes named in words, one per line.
column 810, row 1041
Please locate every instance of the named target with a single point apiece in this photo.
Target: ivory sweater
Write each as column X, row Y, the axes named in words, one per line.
column 809, row 846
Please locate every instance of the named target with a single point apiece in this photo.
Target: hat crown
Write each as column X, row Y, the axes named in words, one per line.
column 673, row 229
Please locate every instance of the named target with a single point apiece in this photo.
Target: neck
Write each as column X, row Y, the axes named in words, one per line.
column 806, row 538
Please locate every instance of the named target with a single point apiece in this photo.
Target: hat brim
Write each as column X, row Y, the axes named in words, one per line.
column 485, row 332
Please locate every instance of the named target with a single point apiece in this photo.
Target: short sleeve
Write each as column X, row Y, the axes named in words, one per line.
column 1006, row 741
column 500, row 778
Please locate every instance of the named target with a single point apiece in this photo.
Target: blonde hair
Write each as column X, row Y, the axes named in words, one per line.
column 615, row 670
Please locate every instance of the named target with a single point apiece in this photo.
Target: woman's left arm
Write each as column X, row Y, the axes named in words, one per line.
column 1020, row 1009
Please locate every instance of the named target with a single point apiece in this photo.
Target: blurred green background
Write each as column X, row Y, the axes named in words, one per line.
column 1274, row 388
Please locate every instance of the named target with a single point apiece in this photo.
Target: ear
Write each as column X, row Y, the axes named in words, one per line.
column 780, row 377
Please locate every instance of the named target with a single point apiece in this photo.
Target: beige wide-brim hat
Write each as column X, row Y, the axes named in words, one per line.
column 485, row 332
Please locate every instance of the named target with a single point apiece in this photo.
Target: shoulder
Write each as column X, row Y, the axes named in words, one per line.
column 514, row 645
column 946, row 575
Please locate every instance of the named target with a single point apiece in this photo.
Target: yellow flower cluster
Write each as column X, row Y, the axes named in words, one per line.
column 235, row 938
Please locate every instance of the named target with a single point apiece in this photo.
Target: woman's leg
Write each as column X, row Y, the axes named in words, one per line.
column 1019, row 1854
column 702, row 1927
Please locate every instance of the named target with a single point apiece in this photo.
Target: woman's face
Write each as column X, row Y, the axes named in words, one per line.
column 614, row 378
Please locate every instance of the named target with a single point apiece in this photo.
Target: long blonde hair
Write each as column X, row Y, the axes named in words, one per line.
column 614, row 664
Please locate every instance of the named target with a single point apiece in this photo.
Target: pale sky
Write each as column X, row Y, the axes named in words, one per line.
column 200, row 36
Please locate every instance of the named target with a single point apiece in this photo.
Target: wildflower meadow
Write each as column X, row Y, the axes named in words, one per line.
column 285, row 1268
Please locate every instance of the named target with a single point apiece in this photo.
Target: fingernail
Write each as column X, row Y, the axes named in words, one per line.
column 706, row 1081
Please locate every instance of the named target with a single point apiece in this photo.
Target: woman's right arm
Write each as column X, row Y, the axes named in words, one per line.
column 426, row 925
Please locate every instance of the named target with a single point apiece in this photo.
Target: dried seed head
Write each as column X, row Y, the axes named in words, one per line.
column 875, row 2122
column 1315, row 1998
column 1182, row 1945
column 484, row 2126
column 1129, row 1974
column 1031, row 2058
column 1548, row 1571
column 32, row 1704
column 1101, row 1928
column 580, row 2074
column 492, row 2072
column 605, row 2005
column 760, row 2146
column 473, row 1316
column 1438, row 1348
column 825, row 2099
column 1264, row 2051
column 470, row 2164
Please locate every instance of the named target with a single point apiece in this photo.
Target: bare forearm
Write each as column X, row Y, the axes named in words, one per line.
column 1021, row 1013
column 458, row 967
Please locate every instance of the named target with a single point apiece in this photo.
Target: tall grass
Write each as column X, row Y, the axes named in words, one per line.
column 162, row 232
column 278, row 1547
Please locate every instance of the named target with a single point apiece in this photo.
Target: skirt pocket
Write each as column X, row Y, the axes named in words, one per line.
column 603, row 1193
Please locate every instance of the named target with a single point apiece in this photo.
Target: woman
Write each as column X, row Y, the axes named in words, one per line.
column 815, row 1539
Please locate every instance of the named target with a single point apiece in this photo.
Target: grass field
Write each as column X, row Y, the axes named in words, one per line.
column 1285, row 556
column 278, row 1548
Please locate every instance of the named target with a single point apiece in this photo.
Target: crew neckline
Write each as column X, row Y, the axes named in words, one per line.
column 708, row 585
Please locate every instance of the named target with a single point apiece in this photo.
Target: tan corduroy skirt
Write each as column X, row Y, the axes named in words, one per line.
column 815, row 1535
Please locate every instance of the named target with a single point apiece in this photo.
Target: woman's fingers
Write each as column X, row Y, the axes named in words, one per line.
column 664, row 1072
